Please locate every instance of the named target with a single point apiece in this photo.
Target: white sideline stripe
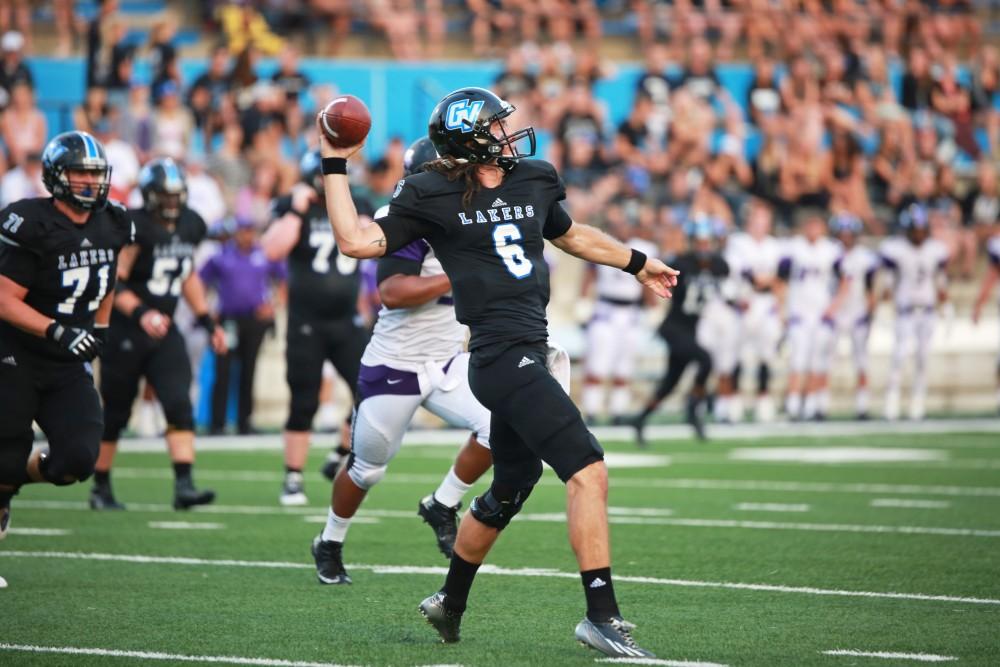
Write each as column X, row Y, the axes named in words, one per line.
column 770, row 507
column 156, row 655
column 657, row 661
column 905, row 502
column 39, row 532
column 186, row 525
column 493, row 569
column 920, row 657
column 625, row 516
column 616, row 481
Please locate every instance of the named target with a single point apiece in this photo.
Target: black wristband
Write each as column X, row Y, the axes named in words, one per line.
column 636, row 262
column 54, row 331
column 206, row 322
column 101, row 333
column 139, row 311
column 334, row 165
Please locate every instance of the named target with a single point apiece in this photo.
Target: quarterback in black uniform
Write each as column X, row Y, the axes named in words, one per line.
column 323, row 321
column 57, row 273
column 144, row 341
column 700, row 281
column 486, row 214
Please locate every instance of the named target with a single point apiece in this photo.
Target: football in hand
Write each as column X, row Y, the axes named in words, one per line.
column 345, row 121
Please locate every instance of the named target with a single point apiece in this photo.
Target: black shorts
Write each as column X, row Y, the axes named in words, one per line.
column 131, row 355
column 61, row 397
column 533, row 419
column 309, row 344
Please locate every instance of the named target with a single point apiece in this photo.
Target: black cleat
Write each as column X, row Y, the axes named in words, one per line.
column 329, row 557
column 639, row 424
column 4, row 520
column 186, row 496
column 443, row 520
column 102, row 498
column 293, row 490
column 334, row 460
column 613, row 638
column 444, row 620
column 695, row 418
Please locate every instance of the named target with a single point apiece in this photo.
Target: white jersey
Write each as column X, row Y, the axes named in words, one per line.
column 858, row 267
column 752, row 259
column 917, row 270
column 810, row 271
column 619, row 287
column 407, row 338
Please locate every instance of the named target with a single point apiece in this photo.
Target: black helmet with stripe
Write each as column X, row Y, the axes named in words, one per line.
column 467, row 125
column 75, row 152
column 417, row 155
column 164, row 190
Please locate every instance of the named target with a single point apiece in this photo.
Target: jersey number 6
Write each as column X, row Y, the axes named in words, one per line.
column 512, row 254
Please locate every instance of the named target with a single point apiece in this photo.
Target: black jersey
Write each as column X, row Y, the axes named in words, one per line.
column 323, row 284
column 165, row 259
column 700, row 282
column 67, row 268
column 492, row 250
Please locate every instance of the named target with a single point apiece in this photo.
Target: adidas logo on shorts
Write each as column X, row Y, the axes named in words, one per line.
column 498, row 202
column 525, row 361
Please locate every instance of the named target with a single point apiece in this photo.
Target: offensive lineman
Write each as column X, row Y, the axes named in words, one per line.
column 152, row 275
column 414, row 358
column 916, row 266
column 57, row 271
column 486, row 213
column 323, row 322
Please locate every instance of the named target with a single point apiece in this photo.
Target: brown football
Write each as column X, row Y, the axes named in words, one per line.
column 345, row 121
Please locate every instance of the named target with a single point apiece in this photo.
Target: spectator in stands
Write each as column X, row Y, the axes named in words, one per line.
column 951, row 100
column 244, row 280
column 690, row 129
column 980, row 212
column 891, row 169
column 94, row 108
column 122, row 157
column 847, row 178
column 397, row 20
column 102, row 35
column 289, row 77
column 244, row 27
column 136, row 126
column 800, row 88
column 653, row 82
column 23, row 181
column 875, row 93
column 805, row 173
column 25, row 129
column 228, row 164
column 65, row 24
column 338, row 14
column 253, row 202
column 163, row 53
column 917, row 81
column 763, row 96
column 12, row 66
column 985, row 91
column 173, row 124
column 216, row 79
column 698, row 76
column 204, row 194
column 494, row 18
column 15, row 15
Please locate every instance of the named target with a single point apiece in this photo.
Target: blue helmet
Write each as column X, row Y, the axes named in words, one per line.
column 848, row 223
column 700, row 228
column 311, row 170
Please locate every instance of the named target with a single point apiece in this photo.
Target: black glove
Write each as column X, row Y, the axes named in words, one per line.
column 78, row 342
column 101, row 334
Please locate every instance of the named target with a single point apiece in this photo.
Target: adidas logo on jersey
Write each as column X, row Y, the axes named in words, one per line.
column 498, row 203
column 86, row 243
column 9, row 360
column 525, row 361
column 597, row 583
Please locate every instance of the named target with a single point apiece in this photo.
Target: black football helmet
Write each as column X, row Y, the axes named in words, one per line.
column 164, row 190
column 74, row 152
column 417, row 155
column 311, row 170
column 460, row 127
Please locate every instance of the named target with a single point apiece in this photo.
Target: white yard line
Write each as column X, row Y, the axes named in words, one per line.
column 321, row 518
column 39, row 532
column 911, row 503
column 494, row 570
column 770, row 507
column 657, row 661
column 186, row 525
column 641, row 516
column 156, row 655
column 919, row 657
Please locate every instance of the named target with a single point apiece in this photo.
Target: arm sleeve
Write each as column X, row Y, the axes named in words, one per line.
column 393, row 265
column 557, row 223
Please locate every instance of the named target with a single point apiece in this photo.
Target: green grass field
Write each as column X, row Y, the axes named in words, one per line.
column 734, row 553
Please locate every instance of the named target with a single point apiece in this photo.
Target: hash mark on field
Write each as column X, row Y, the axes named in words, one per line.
column 835, row 455
column 39, row 532
column 770, row 507
column 156, row 655
column 494, row 570
column 186, row 525
column 920, row 657
column 907, row 503
column 657, row 661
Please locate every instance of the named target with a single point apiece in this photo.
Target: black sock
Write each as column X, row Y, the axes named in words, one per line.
column 600, row 592
column 289, row 469
column 182, row 472
column 102, row 478
column 458, row 583
column 5, row 497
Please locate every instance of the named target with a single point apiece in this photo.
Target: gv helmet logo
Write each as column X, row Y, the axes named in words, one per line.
column 462, row 115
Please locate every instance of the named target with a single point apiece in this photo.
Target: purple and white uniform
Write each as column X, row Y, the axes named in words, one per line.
column 415, row 358
column 993, row 252
column 750, row 260
column 811, row 283
column 858, row 267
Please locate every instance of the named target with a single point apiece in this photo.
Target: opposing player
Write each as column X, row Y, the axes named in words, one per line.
column 486, row 212
column 753, row 257
column 323, row 322
column 58, row 258
column 144, row 341
column 916, row 266
column 854, row 303
column 807, row 267
column 989, row 281
column 614, row 329
column 415, row 357
column 702, row 272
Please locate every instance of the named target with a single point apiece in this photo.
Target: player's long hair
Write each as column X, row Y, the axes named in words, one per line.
column 454, row 169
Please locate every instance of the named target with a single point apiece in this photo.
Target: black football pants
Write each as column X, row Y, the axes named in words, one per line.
column 683, row 349
column 250, row 333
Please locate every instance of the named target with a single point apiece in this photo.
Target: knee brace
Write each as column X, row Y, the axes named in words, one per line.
column 365, row 475
column 499, row 505
column 301, row 412
column 179, row 416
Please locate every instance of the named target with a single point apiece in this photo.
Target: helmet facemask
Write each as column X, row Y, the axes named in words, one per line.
column 82, row 194
column 485, row 147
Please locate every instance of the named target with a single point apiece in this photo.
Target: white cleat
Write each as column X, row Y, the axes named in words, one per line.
column 764, row 410
column 892, row 405
column 293, row 493
column 916, row 409
column 613, row 638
